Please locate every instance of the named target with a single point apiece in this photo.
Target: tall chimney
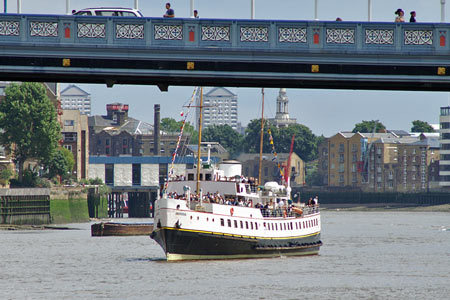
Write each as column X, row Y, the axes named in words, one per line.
column 156, row 132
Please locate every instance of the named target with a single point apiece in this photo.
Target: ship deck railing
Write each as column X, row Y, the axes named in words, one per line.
column 286, row 212
column 279, row 212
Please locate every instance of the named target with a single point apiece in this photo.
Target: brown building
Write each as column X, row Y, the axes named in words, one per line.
column 269, row 170
column 75, row 138
column 117, row 134
column 380, row 162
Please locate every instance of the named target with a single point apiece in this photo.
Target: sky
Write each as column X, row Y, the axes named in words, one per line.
column 323, row 111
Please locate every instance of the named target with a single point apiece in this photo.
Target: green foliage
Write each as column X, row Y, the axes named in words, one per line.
column 29, row 123
column 421, row 126
column 229, row 138
column 5, row 176
column 29, row 179
column 170, row 125
column 313, row 177
column 61, row 163
column 305, row 142
column 95, row 181
column 367, row 127
column 103, row 189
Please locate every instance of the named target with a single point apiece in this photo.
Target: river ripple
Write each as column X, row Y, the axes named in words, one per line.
column 366, row 255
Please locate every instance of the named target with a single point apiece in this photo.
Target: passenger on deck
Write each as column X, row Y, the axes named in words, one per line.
column 316, row 201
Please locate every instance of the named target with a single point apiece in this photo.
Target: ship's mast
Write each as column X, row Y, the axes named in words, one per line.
column 261, row 139
column 200, row 121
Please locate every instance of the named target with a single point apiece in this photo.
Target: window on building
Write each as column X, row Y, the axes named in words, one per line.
column 136, row 174
column 69, row 122
column 68, row 147
column 109, row 174
column 70, row 136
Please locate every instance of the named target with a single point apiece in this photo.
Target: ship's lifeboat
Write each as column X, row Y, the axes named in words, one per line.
column 297, row 210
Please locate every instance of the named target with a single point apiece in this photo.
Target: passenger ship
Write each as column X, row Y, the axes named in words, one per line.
column 231, row 217
column 190, row 229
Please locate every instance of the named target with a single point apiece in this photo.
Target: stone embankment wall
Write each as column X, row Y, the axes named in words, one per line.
column 36, row 206
column 25, row 206
column 68, row 205
column 362, row 198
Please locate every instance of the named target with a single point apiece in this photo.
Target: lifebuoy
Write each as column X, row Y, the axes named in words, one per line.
column 231, row 211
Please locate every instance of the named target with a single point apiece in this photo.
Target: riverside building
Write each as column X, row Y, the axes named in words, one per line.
column 380, row 162
column 444, row 163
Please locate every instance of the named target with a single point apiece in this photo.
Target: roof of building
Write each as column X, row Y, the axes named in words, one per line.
column 219, row 92
column 131, row 125
column 396, row 140
column 431, row 142
column 73, row 90
column 265, row 156
column 399, row 132
column 215, row 148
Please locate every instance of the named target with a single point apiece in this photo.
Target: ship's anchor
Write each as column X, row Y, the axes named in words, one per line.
column 178, row 224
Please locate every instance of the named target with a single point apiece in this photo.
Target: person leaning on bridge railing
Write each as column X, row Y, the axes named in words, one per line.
column 170, row 13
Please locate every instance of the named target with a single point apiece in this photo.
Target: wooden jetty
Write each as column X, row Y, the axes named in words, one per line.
column 121, row 229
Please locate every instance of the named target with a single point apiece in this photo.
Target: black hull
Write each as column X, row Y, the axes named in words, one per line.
column 181, row 244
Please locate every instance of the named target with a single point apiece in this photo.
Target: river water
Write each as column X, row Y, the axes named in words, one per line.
column 366, row 255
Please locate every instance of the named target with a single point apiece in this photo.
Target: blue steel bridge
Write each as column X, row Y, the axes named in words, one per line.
column 224, row 52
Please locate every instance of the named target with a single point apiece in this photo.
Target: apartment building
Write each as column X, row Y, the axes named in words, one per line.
column 380, row 162
column 75, row 134
column 418, row 165
column 444, row 163
column 74, row 97
column 220, row 108
column 343, row 158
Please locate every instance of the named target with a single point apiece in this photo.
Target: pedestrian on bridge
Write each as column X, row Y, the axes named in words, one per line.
column 170, row 13
column 400, row 16
column 413, row 17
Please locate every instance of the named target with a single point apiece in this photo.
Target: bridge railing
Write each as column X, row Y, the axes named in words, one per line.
column 258, row 35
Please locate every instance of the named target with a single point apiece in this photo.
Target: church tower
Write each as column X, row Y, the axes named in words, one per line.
column 282, row 116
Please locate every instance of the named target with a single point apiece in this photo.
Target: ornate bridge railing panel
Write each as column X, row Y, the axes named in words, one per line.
column 259, row 35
